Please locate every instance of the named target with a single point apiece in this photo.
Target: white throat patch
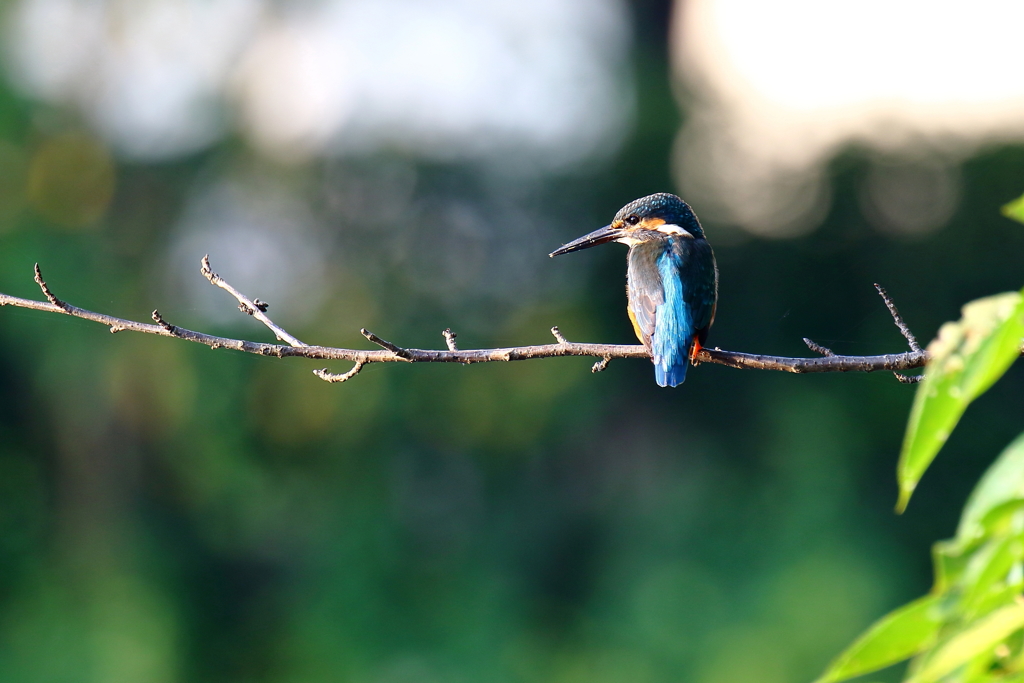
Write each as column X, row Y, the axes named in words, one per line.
column 671, row 229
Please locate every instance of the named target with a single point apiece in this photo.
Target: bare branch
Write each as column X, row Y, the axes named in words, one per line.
column 894, row 361
column 390, row 353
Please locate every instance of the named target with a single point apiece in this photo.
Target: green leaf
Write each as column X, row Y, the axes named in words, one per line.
column 965, row 359
column 988, row 571
column 950, row 559
column 1015, row 209
column 997, row 597
column 900, row 634
column 1000, row 487
column 1001, row 519
column 979, row 638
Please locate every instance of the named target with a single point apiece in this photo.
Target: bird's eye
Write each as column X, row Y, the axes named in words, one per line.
column 633, row 220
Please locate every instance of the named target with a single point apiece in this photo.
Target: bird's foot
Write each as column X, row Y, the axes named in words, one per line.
column 695, row 349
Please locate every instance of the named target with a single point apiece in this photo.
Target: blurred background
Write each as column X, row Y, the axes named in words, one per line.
column 168, row 513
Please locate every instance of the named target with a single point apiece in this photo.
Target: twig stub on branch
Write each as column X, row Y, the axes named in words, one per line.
column 161, row 322
column 46, row 290
column 818, row 348
column 449, row 339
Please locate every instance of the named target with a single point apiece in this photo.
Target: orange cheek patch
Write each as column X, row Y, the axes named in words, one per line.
column 651, row 223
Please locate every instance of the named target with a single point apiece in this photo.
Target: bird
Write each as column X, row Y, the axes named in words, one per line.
column 671, row 279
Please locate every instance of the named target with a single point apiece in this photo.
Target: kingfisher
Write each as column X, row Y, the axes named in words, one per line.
column 671, row 279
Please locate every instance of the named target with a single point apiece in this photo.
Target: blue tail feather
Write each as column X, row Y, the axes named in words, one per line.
column 671, row 376
column 673, row 331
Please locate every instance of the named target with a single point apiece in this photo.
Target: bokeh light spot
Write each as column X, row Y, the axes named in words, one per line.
column 910, row 198
column 776, row 89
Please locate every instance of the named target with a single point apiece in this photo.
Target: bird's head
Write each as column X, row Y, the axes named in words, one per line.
column 654, row 217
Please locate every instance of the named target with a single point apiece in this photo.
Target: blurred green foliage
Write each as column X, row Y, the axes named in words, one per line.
column 1015, row 209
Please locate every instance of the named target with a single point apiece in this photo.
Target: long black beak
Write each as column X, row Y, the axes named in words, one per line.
column 600, row 236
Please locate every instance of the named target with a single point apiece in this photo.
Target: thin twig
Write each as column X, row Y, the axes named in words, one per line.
column 397, row 350
column 818, row 348
column 258, row 310
column 904, row 330
column 46, row 290
column 333, row 378
column 255, row 308
column 898, row 319
column 390, row 353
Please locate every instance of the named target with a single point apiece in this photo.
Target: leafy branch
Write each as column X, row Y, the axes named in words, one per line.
column 970, row 627
column 392, row 353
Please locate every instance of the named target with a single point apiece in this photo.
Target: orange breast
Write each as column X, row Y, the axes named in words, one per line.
column 636, row 327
